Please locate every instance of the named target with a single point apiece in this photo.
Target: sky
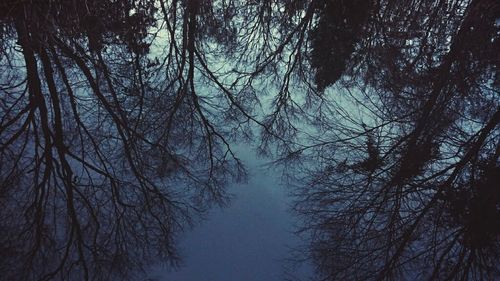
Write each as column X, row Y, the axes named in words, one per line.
column 249, row 240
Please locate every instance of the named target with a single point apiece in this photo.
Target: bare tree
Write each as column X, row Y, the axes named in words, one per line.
column 401, row 183
column 117, row 118
column 106, row 149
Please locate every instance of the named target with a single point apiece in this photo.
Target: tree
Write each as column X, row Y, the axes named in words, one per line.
column 398, row 199
column 103, row 159
column 117, row 118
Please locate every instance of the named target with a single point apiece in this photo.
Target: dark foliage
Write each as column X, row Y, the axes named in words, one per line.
column 339, row 27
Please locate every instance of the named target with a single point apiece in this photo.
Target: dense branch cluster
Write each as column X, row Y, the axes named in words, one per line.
column 107, row 150
column 407, row 189
column 117, row 118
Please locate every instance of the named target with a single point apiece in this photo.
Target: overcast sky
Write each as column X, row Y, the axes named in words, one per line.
column 247, row 241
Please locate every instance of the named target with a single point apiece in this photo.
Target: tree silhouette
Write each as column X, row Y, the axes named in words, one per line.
column 106, row 150
column 398, row 199
column 116, row 119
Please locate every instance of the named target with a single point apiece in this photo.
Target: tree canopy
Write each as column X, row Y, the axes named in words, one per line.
column 117, row 119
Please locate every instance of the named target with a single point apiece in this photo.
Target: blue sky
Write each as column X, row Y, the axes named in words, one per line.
column 247, row 241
